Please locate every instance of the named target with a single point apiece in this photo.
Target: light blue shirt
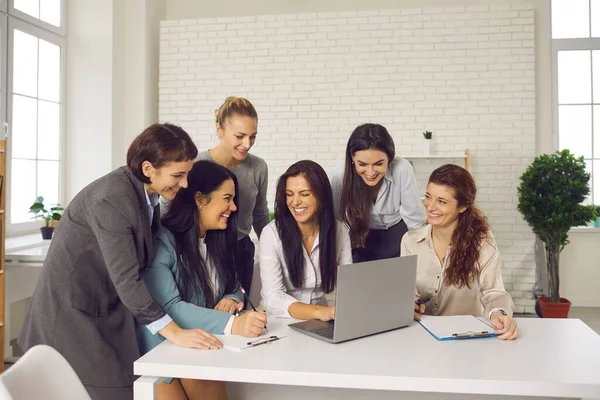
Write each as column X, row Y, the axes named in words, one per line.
column 154, row 327
column 398, row 197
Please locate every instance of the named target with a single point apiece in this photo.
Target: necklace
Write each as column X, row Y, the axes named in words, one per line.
column 311, row 234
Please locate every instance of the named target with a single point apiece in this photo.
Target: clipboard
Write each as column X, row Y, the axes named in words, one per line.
column 239, row 343
column 457, row 327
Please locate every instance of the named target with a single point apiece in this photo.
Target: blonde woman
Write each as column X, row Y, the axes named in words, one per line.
column 237, row 125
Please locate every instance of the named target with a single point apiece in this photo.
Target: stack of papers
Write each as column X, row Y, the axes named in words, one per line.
column 239, row 343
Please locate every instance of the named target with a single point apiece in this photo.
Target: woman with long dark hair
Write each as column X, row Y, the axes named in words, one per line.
column 458, row 259
column 193, row 275
column 376, row 194
column 301, row 249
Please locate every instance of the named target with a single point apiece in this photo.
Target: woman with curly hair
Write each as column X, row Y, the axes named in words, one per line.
column 459, row 262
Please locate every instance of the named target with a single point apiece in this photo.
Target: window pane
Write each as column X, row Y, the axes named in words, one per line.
column 50, row 11
column 29, row 7
column 574, row 77
column 25, row 61
column 47, row 185
column 49, row 88
column 48, row 130
column 570, row 19
column 595, row 18
column 575, row 129
column 22, row 190
column 24, row 131
column 596, row 66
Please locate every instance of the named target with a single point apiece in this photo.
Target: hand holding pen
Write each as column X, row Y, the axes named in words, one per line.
column 420, row 307
column 251, row 323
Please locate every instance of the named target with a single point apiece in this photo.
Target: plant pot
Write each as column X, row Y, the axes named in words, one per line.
column 427, row 147
column 47, row 232
column 554, row 310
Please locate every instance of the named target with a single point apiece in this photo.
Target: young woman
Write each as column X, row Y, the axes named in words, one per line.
column 301, row 249
column 459, row 262
column 237, row 122
column 89, row 292
column 376, row 194
column 193, row 274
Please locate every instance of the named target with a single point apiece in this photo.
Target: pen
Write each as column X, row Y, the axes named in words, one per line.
column 249, row 302
column 422, row 301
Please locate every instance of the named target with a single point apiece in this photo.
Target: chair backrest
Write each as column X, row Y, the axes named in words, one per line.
column 256, row 286
column 42, row 373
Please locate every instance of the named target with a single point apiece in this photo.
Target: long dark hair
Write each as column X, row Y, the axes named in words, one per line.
column 159, row 144
column 471, row 230
column 355, row 202
column 290, row 234
column 183, row 221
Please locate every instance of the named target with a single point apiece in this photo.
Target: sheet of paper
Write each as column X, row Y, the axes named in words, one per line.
column 446, row 326
column 239, row 343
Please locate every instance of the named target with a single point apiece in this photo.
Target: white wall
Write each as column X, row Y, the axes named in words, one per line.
column 466, row 73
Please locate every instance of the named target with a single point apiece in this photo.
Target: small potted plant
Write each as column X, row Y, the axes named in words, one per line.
column 40, row 211
column 428, row 136
column 550, row 198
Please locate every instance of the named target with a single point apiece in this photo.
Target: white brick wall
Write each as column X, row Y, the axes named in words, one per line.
column 465, row 73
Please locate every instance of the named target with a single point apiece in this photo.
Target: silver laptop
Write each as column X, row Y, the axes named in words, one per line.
column 371, row 297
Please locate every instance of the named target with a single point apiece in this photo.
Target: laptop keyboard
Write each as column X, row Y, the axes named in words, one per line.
column 326, row 331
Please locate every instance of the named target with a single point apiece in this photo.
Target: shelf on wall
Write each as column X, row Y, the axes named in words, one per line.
column 436, row 156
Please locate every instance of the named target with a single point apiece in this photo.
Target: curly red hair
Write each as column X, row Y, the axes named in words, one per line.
column 471, row 230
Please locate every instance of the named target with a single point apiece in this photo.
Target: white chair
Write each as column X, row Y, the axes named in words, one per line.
column 42, row 373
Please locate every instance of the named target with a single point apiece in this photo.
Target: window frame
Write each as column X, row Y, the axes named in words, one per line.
column 15, row 23
column 60, row 30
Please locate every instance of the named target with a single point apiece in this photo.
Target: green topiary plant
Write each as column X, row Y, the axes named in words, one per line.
column 550, row 196
column 39, row 211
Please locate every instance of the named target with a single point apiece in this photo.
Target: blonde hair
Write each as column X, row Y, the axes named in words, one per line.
column 235, row 106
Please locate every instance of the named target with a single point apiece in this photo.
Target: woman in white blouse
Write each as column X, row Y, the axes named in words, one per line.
column 301, row 249
column 459, row 262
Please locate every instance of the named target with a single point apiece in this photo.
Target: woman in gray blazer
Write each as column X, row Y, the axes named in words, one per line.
column 89, row 293
column 193, row 275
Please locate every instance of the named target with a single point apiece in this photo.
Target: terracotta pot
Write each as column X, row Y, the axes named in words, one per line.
column 554, row 310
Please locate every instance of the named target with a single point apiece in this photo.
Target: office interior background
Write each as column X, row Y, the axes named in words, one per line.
column 507, row 80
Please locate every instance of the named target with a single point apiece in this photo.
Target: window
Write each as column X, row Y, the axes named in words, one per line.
column 33, row 70
column 576, row 65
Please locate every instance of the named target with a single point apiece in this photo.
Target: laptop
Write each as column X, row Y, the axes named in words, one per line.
column 371, row 297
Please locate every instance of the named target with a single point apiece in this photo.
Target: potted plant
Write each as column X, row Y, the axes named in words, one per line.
column 550, row 198
column 40, row 211
column 428, row 136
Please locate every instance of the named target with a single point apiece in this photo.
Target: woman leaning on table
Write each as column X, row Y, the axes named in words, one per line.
column 376, row 194
column 458, row 259
column 302, row 247
column 193, row 274
column 89, row 292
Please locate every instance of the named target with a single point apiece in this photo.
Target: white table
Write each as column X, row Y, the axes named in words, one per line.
column 551, row 359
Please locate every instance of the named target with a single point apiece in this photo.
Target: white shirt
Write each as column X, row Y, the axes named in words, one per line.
column 398, row 197
column 277, row 291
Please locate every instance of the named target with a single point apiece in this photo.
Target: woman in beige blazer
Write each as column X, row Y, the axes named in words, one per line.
column 90, row 292
column 458, row 259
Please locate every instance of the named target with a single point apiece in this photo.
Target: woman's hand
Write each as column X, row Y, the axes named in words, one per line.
column 250, row 324
column 506, row 327
column 194, row 338
column 228, row 305
column 419, row 309
column 325, row 313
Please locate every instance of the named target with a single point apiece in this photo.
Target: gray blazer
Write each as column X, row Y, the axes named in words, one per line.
column 89, row 291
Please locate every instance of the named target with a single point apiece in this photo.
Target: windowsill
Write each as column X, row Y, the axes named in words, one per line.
column 584, row 229
column 22, row 242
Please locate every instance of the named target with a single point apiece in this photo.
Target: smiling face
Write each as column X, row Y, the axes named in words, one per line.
column 216, row 208
column 371, row 165
column 168, row 179
column 441, row 206
column 300, row 200
column 238, row 135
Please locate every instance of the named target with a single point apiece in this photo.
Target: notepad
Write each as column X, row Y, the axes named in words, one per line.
column 239, row 343
column 454, row 327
